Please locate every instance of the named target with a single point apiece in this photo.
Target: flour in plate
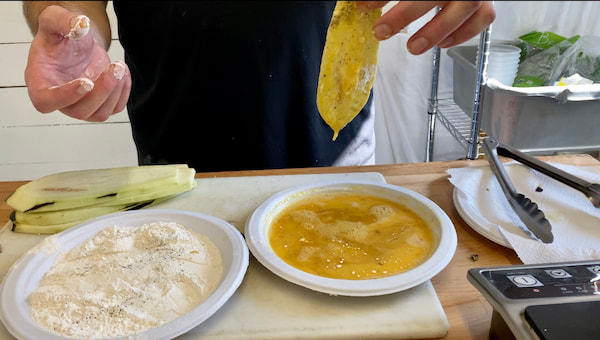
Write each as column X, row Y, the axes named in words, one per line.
column 126, row 280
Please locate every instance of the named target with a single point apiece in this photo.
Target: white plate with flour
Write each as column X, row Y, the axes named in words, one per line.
column 24, row 276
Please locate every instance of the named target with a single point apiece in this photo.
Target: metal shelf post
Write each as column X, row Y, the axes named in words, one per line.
column 465, row 129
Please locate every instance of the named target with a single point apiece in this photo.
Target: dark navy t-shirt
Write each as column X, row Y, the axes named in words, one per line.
column 223, row 85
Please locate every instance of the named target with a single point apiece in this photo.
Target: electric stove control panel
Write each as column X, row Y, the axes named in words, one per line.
column 545, row 282
column 533, row 300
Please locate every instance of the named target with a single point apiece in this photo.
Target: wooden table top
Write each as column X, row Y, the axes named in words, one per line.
column 468, row 312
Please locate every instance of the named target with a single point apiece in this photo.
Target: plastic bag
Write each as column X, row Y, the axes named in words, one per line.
column 582, row 58
column 534, row 42
column 539, row 69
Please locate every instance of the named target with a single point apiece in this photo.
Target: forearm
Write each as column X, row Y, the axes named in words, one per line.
column 95, row 10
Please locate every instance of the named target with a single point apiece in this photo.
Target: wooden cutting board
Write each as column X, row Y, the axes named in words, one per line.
column 266, row 306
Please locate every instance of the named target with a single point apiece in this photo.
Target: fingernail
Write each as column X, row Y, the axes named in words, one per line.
column 445, row 42
column 85, row 85
column 418, row 45
column 80, row 26
column 382, row 31
column 118, row 69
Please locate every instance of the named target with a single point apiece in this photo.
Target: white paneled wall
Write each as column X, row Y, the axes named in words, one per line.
column 34, row 144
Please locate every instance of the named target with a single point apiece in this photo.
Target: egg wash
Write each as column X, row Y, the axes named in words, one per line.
column 350, row 235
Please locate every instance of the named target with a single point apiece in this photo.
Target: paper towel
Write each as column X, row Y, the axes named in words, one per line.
column 575, row 221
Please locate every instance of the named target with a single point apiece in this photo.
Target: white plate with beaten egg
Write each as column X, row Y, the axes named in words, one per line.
column 351, row 238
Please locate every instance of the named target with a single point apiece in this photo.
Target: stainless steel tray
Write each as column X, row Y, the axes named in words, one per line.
column 545, row 119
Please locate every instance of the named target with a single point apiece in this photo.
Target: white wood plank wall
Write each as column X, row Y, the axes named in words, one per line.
column 34, row 144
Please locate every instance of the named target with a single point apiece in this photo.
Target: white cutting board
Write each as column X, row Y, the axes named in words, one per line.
column 268, row 307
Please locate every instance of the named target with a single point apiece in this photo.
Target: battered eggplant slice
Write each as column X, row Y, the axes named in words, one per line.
column 348, row 65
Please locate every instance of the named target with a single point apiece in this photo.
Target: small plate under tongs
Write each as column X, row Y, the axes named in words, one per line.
column 528, row 211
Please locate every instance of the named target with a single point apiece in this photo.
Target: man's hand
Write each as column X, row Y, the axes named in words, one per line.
column 457, row 22
column 69, row 71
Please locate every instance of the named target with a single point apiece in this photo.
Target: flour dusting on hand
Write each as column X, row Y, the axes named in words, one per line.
column 80, row 26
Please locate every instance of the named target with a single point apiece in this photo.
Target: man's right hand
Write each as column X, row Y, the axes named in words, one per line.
column 69, row 71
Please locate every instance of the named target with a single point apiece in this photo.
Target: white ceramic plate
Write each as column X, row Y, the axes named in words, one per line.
column 256, row 231
column 477, row 221
column 25, row 275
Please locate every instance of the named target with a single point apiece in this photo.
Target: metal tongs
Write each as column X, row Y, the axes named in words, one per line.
column 528, row 211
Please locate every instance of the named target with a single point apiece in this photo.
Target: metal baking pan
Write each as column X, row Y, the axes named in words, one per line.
column 543, row 120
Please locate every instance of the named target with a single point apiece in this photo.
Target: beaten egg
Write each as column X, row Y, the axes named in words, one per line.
column 350, row 235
